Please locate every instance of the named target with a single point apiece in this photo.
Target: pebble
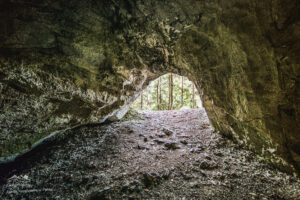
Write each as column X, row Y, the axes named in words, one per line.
column 158, row 141
column 218, row 153
column 184, row 142
column 161, row 135
column 167, row 132
column 140, row 147
column 194, row 184
column 207, row 165
column 196, row 150
column 150, row 179
column 100, row 194
column 207, row 157
column 172, row 145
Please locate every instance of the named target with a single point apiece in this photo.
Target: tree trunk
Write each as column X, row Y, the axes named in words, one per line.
column 182, row 91
column 142, row 100
column 147, row 99
column 158, row 94
column 193, row 96
column 171, row 91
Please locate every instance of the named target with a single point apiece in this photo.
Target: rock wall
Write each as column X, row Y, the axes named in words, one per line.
column 67, row 63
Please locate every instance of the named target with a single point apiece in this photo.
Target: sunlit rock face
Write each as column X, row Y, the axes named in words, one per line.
column 67, row 63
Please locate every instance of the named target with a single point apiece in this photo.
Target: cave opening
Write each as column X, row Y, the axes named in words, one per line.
column 168, row 92
column 173, row 106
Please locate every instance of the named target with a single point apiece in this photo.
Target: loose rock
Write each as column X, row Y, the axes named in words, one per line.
column 172, row 145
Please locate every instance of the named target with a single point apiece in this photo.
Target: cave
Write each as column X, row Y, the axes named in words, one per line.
column 68, row 65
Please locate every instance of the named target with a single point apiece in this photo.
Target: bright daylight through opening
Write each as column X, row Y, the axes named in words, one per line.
column 168, row 92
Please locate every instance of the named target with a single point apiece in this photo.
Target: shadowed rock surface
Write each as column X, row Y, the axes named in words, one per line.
column 66, row 63
column 122, row 161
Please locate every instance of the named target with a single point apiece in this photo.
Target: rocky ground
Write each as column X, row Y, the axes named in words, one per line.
column 149, row 155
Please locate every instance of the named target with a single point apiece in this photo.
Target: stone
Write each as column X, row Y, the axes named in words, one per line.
column 184, row 142
column 187, row 176
column 167, row 132
column 194, row 184
column 158, row 141
column 208, row 165
column 126, row 130
column 141, row 147
column 172, row 145
column 100, row 194
column 166, row 173
column 204, row 165
column 161, row 135
column 132, row 197
column 133, row 186
column 150, row 179
column 219, row 154
column 196, row 150
column 207, row 157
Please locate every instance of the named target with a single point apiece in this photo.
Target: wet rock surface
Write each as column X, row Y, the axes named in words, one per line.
column 101, row 162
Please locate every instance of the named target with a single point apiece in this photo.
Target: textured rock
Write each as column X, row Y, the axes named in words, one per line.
column 63, row 64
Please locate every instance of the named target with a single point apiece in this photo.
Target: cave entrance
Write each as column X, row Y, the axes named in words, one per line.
column 173, row 115
column 168, row 92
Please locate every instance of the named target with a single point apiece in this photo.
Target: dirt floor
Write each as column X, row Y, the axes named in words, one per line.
column 149, row 155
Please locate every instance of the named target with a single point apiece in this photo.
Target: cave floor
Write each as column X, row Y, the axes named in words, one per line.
column 150, row 155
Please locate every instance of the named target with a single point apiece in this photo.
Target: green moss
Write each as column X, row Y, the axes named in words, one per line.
column 24, row 88
column 132, row 115
column 241, row 21
column 76, row 107
column 20, row 143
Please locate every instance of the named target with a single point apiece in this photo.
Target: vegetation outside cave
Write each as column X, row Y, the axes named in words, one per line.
column 168, row 92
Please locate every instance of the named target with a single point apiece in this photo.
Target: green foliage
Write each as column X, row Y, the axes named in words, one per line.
column 132, row 114
column 160, row 86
